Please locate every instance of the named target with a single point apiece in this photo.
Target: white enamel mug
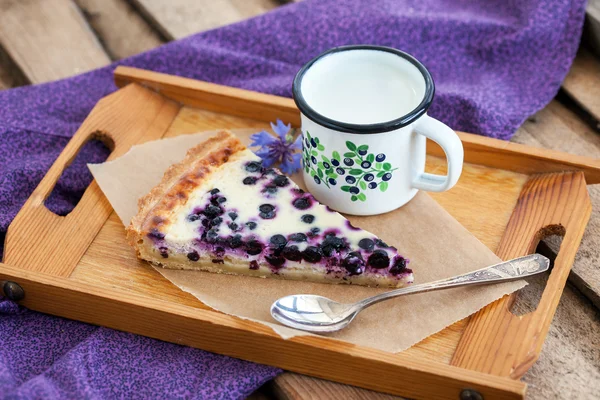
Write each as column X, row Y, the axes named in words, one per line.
column 364, row 126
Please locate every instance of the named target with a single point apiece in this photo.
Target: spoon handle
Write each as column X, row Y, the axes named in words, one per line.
column 517, row 268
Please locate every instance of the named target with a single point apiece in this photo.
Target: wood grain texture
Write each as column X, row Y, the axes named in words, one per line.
column 40, row 240
column 179, row 18
column 121, row 30
column 583, row 82
column 478, row 149
column 49, row 39
column 557, row 128
column 225, row 334
column 496, row 341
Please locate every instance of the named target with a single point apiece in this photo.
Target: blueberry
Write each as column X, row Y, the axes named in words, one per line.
column 332, row 182
column 369, row 177
column 269, row 171
column 313, row 159
column 379, row 259
column 354, row 190
column 335, row 162
column 366, row 244
column 193, row 217
column 399, row 266
column 235, row 241
column 212, row 235
column 365, row 164
column 216, row 221
column 251, row 225
column 211, row 211
column 278, row 241
column 340, row 171
column 312, row 254
column 214, row 191
column 266, row 208
column 348, row 161
column 164, row 252
column 193, row 256
column 292, row 253
column 233, row 215
column 315, row 230
column 270, row 188
column 298, row 237
column 350, row 179
column 155, row 234
column 302, row 203
column 253, row 265
column 306, row 142
column 380, row 157
column 222, row 200
column 332, row 243
column 317, row 180
column 281, row 181
column 254, row 166
column 313, row 143
column 253, row 247
column 353, row 263
column 206, row 223
column 362, row 152
column 249, row 180
column 233, row 226
column 307, row 218
column 372, row 185
column 381, row 243
column 276, row 261
column 326, row 165
column 269, row 215
column 387, row 177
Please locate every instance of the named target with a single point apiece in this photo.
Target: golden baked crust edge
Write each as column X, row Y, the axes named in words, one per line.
column 177, row 184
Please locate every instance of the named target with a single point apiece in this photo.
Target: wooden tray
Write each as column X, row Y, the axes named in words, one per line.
column 79, row 266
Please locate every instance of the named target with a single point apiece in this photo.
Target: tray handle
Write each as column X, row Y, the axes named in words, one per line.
column 495, row 340
column 39, row 240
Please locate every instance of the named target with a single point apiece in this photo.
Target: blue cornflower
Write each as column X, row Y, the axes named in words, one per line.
column 279, row 149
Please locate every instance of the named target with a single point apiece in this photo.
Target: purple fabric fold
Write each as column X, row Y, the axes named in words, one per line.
column 494, row 62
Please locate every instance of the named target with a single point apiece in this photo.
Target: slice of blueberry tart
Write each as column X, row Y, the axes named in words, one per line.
column 220, row 210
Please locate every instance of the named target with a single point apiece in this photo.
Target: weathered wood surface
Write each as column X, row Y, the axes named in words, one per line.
column 583, row 82
column 49, row 40
column 121, row 30
column 179, row 18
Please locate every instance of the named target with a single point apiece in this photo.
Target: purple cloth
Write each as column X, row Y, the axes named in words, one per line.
column 495, row 62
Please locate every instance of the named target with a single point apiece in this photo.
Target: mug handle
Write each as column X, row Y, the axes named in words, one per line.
column 448, row 140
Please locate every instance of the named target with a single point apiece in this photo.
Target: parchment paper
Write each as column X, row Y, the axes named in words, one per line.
column 436, row 244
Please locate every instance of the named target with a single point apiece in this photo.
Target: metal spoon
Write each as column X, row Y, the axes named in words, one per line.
column 319, row 314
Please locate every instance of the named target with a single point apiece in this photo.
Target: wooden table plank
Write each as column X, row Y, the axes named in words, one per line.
column 178, row 18
column 49, row 39
column 583, row 82
column 122, row 31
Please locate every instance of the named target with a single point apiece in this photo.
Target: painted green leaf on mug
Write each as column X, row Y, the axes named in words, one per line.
column 363, row 185
column 370, row 158
column 320, row 173
column 380, row 174
column 383, row 186
column 362, row 197
column 356, row 172
column 353, row 198
column 387, row 166
column 364, row 147
column 377, row 165
column 320, row 147
column 350, row 145
column 345, row 188
column 349, row 154
column 335, row 155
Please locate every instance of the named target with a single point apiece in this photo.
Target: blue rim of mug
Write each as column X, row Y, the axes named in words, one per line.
column 380, row 127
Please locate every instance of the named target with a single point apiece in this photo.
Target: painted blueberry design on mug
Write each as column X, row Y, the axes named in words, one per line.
column 357, row 171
